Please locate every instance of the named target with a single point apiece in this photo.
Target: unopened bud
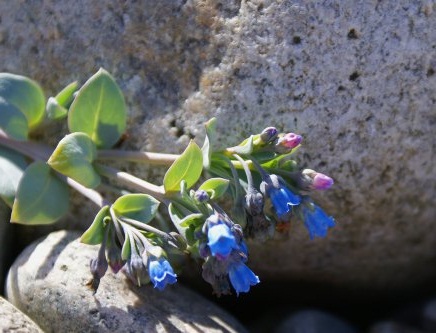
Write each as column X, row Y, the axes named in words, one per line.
column 201, row 196
column 254, row 202
column 114, row 258
column 268, row 134
column 322, row 182
column 288, row 142
column 98, row 267
column 317, row 180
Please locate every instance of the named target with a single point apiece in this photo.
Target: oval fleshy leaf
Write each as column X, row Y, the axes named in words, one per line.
column 66, row 95
column 42, row 198
column 215, row 187
column 54, row 110
column 26, row 95
column 95, row 233
column 12, row 166
column 136, row 206
column 73, row 158
column 12, row 121
column 187, row 167
column 99, row 110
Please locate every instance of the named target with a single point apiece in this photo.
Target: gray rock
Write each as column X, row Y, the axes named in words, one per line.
column 314, row 321
column 429, row 316
column 356, row 79
column 47, row 282
column 392, row 327
column 13, row 320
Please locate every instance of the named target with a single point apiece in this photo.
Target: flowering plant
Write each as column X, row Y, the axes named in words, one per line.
column 259, row 177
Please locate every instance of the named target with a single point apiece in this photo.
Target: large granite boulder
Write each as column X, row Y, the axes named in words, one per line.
column 356, row 79
column 13, row 320
column 48, row 283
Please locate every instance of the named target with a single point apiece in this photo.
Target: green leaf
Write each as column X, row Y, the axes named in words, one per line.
column 126, row 250
column 42, row 198
column 66, row 95
column 176, row 218
column 26, row 95
column 12, row 166
column 73, row 158
column 215, row 187
column 207, row 148
column 195, row 219
column 243, row 149
column 57, row 106
column 95, row 233
column 139, row 207
column 187, row 167
column 99, row 110
column 12, row 121
column 54, row 110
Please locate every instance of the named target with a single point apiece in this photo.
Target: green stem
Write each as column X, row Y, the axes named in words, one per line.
column 247, row 171
column 132, row 181
column 33, row 150
column 136, row 156
column 146, row 227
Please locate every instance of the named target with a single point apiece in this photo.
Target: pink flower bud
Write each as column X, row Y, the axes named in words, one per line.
column 290, row 140
column 317, row 180
column 322, row 182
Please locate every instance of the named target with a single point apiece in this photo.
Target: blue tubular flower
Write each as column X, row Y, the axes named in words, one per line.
column 221, row 240
column 281, row 197
column 161, row 273
column 317, row 221
column 241, row 277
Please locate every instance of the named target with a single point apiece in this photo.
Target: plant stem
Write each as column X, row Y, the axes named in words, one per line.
column 91, row 194
column 38, row 152
column 132, row 181
column 146, row 227
column 31, row 149
column 136, row 156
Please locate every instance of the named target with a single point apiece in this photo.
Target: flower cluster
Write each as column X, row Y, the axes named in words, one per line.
column 268, row 192
column 258, row 177
column 282, row 192
column 146, row 262
column 225, row 254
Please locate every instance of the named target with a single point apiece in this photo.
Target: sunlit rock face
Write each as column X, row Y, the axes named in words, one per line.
column 357, row 80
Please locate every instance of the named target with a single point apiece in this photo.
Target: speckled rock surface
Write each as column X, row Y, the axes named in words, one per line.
column 47, row 282
column 356, row 79
column 13, row 320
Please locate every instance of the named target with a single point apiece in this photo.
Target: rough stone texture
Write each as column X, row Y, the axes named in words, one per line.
column 356, row 79
column 13, row 320
column 48, row 280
